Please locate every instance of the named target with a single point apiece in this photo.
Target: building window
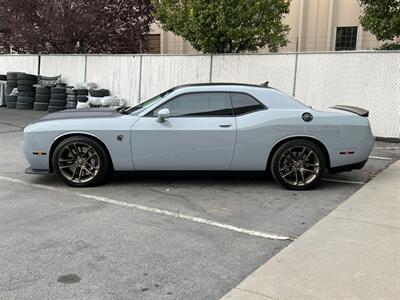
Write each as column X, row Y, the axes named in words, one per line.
column 154, row 44
column 346, row 38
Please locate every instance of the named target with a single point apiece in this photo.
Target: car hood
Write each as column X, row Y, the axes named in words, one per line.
column 80, row 114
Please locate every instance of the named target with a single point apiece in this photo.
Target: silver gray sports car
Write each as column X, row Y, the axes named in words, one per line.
column 213, row 127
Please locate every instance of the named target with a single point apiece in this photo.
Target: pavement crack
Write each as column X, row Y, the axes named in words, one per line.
column 256, row 293
column 365, row 222
column 10, row 131
column 10, row 124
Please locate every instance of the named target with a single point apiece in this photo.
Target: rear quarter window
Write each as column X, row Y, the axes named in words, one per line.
column 244, row 104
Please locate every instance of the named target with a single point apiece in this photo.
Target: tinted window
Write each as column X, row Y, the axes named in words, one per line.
column 199, row 104
column 243, row 104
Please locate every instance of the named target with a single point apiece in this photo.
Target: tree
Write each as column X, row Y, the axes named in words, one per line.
column 382, row 18
column 75, row 26
column 226, row 26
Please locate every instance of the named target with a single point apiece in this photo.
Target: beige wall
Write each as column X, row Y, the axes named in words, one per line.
column 313, row 26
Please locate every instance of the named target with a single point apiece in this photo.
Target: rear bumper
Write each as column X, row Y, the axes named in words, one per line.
column 30, row 170
column 350, row 167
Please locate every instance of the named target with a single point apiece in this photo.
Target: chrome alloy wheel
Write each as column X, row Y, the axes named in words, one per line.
column 299, row 165
column 78, row 162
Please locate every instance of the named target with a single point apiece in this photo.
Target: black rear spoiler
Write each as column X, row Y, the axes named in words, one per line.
column 356, row 110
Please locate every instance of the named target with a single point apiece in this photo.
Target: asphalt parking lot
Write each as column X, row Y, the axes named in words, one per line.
column 188, row 236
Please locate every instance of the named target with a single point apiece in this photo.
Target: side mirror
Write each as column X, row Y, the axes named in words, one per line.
column 163, row 114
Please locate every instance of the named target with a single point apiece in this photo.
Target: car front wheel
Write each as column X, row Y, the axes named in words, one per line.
column 80, row 161
column 298, row 165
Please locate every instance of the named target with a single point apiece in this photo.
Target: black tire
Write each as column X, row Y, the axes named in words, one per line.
column 82, row 98
column 71, row 97
column 12, row 83
column 26, row 82
column 26, row 88
column 40, row 106
column 27, row 94
column 24, row 76
column 9, row 90
column 99, row 93
column 83, row 92
column 59, row 96
column 58, row 90
column 291, row 158
column 25, row 100
column 11, row 104
column 70, row 105
column 70, row 90
column 42, row 98
column 13, row 75
column 57, row 102
column 42, row 90
column 11, row 98
column 101, row 157
column 52, row 109
column 24, row 105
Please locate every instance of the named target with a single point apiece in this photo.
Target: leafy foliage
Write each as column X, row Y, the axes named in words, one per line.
column 390, row 46
column 74, row 26
column 226, row 26
column 382, row 18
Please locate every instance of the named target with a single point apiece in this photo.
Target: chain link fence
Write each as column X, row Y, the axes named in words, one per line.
column 278, row 69
column 370, row 80
column 367, row 80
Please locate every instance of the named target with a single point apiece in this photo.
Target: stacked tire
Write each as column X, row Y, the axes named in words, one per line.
column 58, row 98
column 12, row 83
column 26, row 90
column 82, row 95
column 42, row 98
column 100, row 93
column 3, row 78
column 71, row 98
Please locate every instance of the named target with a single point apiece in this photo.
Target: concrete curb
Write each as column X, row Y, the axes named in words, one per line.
column 353, row 253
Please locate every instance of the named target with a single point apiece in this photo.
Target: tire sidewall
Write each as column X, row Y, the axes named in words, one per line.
column 290, row 144
column 104, row 161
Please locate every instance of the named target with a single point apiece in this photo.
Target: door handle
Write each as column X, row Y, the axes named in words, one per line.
column 225, row 125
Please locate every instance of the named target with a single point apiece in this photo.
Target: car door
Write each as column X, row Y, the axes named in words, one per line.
column 253, row 133
column 200, row 134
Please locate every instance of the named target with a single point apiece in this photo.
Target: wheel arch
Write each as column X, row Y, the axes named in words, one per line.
column 60, row 138
column 307, row 138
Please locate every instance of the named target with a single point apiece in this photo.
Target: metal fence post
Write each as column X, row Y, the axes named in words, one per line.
column 295, row 74
column 39, row 62
column 85, row 75
column 140, row 76
column 211, row 67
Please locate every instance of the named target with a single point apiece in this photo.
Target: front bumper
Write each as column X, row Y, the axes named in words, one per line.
column 37, row 157
column 30, row 170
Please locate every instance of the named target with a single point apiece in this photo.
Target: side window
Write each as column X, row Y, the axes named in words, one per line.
column 243, row 104
column 198, row 104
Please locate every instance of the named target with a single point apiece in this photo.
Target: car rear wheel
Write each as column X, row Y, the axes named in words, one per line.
column 298, row 165
column 81, row 161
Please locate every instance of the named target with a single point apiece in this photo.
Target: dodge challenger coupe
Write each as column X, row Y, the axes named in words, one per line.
column 202, row 127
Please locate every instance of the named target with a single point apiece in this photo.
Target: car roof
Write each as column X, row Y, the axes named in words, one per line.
column 263, row 85
column 269, row 96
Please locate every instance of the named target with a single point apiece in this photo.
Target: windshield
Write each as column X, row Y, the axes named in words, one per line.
column 141, row 106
